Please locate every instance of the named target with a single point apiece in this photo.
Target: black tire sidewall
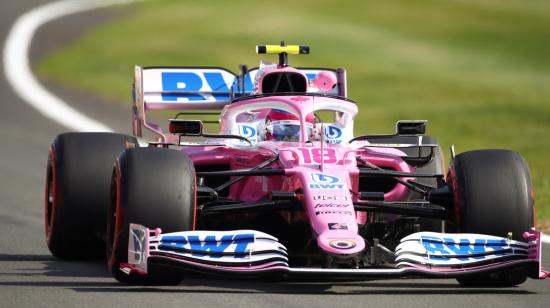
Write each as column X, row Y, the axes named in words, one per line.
column 156, row 189
column 493, row 193
column 80, row 165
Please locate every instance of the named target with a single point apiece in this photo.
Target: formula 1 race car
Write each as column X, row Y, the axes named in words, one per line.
column 285, row 189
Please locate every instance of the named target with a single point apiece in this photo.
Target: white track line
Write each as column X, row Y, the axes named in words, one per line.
column 20, row 76
column 25, row 84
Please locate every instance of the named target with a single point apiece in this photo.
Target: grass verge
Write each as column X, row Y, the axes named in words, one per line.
column 479, row 71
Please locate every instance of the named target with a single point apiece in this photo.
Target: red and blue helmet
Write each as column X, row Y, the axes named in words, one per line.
column 285, row 126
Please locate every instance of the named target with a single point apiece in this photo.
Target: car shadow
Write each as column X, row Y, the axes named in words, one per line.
column 93, row 276
column 15, row 258
column 231, row 286
column 49, row 266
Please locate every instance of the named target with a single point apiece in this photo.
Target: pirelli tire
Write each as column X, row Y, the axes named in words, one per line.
column 153, row 187
column 493, row 194
column 78, row 181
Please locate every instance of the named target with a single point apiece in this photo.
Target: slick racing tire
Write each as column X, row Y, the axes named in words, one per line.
column 78, row 181
column 493, row 195
column 153, row 187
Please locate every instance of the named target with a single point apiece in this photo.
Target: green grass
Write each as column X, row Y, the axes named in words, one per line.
column 479, row 71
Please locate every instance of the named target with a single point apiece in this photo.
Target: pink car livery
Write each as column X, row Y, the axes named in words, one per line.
column 285, row 188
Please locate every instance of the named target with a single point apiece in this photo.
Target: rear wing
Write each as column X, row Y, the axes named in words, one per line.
column 178, row 88
column 200, row 88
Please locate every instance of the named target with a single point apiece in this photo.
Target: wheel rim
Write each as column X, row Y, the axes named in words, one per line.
column 50, row 200
column 112, row 219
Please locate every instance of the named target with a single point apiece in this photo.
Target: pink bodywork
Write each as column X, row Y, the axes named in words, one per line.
column 329, row 210
column 323, row 174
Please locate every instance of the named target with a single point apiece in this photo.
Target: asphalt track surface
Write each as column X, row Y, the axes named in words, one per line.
column 30, row 276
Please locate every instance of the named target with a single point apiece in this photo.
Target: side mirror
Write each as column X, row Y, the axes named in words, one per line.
column 185, row 127
column 411, row 127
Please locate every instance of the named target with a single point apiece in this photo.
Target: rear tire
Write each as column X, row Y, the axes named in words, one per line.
column 153, row 187
column 492, row 192
column 77, row 192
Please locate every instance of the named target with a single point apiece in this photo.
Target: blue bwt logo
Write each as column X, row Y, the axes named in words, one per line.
column 195, row 85
column 247, row 131
column 189, row 84
column 444, row 248
column 209, row 246
column 325, row 181
column 333, row 132
column 324, row 178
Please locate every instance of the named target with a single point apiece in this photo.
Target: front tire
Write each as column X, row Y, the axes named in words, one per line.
column 153, row 187
column 77, row 192
column 492, row 192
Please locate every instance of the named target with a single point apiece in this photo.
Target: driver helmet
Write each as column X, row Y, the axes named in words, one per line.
column 281, row 125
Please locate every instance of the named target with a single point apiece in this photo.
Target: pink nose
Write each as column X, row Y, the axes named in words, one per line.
column 325, row 81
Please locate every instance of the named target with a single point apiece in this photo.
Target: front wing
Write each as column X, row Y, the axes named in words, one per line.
column 254, row 253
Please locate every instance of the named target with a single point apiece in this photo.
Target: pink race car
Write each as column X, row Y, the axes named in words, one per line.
column 284, row 189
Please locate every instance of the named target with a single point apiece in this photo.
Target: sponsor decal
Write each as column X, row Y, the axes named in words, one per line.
column 458, row 250
column 324, row 178
column 330, row 198
column 248, row 132
column 337, row 226
column 318, row 155
column 190, row 83
column 138, row 238
column 334, row 212
column 331, row 205
column 235, row 243
column 444, row 247
column 342, row 244
column 325, row 181
column 333, row 134
column 187, row 84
